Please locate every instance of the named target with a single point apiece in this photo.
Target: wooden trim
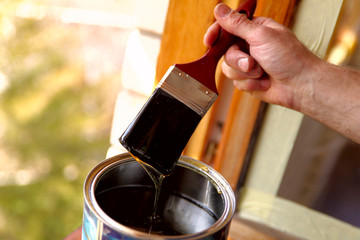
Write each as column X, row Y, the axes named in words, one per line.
column 236, row 136
column 182, row 41
column 280, row 10
column 243, row 231
column 211, row 120
column 244, row 108
column 198, row 143
column 185, row 26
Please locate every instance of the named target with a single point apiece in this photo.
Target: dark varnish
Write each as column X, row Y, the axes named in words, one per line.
column 132, row 206
column 160, row 131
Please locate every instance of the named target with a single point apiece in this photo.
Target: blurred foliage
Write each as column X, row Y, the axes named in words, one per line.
column 54, row 127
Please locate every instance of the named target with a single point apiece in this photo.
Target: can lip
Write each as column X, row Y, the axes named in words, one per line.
column 219, row 182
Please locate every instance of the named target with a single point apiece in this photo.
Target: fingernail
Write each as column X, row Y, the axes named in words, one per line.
column 222, row 10
column 243, row 64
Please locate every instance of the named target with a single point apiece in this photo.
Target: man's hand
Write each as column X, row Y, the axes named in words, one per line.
column 276, row 63
column 279, row 69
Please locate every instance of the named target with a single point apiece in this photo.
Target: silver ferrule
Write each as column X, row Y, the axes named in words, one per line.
column 188, row 90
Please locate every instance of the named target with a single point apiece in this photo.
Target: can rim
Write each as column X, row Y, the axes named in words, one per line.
column 218, row 181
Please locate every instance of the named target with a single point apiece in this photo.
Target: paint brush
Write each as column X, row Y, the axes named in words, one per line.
column 159, row 133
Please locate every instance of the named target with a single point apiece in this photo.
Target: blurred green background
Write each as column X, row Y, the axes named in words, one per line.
column 58, row 84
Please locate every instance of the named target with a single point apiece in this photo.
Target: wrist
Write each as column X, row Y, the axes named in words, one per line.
column 306, row 89
column 331, row 97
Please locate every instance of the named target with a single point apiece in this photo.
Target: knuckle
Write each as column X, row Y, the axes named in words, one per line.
column 251, row 85
column 238, row 19
column 247, row 85
column 261, row 32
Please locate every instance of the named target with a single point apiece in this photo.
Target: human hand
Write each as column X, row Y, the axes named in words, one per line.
column 76, row 235
column 277, row 64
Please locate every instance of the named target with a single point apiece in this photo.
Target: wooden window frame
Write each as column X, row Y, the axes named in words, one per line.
column 182, row 41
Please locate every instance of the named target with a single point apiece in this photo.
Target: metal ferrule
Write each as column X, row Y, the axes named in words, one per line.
column 188, row 90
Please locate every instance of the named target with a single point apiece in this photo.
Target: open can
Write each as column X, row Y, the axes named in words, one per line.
column 197, row 203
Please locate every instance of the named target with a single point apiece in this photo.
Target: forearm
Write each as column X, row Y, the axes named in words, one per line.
column 332, row 96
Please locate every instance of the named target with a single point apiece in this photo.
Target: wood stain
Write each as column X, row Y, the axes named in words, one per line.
column 132, row 207
column 160, row 132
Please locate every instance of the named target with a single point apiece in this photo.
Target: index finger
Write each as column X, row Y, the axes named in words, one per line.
column 211, row 34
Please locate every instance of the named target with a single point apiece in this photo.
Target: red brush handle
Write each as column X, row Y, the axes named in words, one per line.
column 203, row 70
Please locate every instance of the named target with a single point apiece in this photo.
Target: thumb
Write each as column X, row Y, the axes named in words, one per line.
column 234, row 22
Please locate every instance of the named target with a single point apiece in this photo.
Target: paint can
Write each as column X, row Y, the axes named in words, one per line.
column 198, row 203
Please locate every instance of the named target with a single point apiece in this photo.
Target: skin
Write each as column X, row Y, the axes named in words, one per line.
column 280, row 70
column 76, row 235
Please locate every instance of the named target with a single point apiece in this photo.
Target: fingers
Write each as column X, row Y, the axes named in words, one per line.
column 243, row 69
column 252, row 85
column 251, row 80
column 237, row 24
column 212, row 34
column 236, row 73
column 239, row 60
column 226, row 17
column 238, row 65
column 234, row 22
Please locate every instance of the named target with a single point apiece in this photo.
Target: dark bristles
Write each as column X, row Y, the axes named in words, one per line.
column 160, row 131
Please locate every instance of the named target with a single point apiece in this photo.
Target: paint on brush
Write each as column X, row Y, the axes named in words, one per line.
column 159, row 133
